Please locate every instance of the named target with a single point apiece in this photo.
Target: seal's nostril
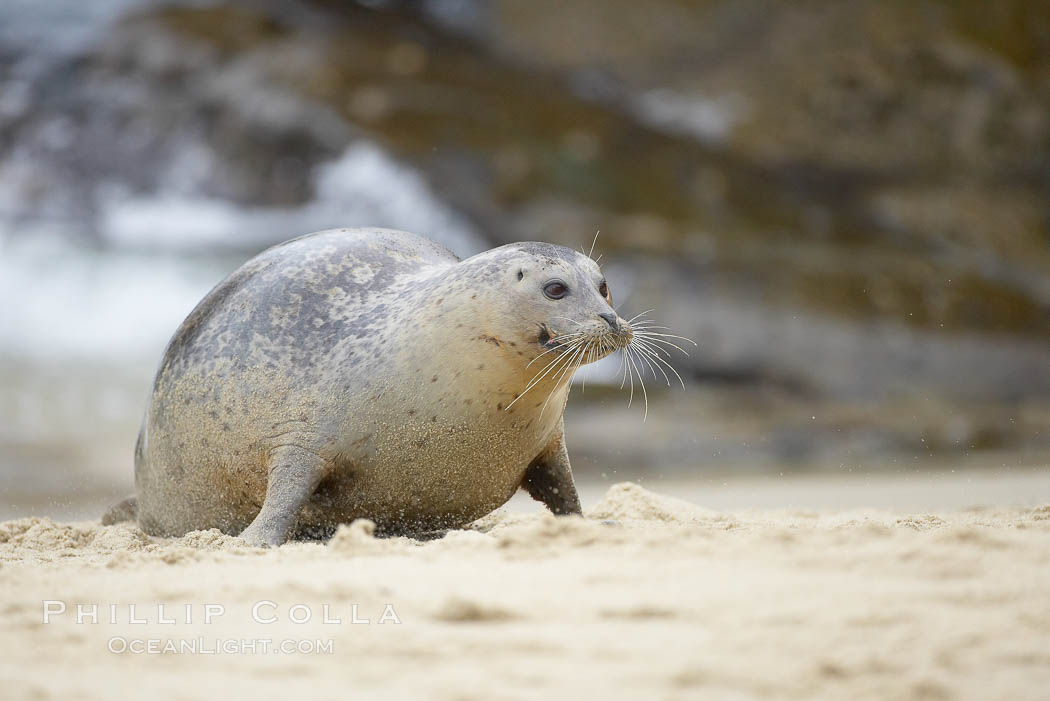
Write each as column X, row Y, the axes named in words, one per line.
column 611, row 319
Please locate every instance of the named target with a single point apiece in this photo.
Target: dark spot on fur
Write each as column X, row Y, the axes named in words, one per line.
column 499, row 406
column 434, row 378
column 411, row 412
column 433, row 419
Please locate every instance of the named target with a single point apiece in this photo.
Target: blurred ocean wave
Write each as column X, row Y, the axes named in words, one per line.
column 163, row 252
column 78, row 304
column 364, row 186
column 58, row 27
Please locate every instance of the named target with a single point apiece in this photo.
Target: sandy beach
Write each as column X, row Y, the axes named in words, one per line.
column 647, row 597
column 818, row 467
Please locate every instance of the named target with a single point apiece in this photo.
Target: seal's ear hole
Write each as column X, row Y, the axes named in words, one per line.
column 521, row 274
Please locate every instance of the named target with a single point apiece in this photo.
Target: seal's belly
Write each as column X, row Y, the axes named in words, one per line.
column 419, row 484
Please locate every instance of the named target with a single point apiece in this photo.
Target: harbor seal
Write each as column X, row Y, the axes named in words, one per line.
column 370, row 373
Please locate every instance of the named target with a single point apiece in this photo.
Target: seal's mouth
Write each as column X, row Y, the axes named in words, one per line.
column 547, row 340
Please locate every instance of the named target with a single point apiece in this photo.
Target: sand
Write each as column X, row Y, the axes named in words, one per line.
column 646, row 597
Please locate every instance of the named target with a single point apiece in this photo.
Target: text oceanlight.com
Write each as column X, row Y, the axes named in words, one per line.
column 121, row 645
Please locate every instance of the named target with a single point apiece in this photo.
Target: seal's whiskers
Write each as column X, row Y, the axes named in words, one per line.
column 569, row 337
column 543, row 372
column 661, row 338
column 591, row 252
column 644, row 346
column 549, row 367
column 643, row 355
column 657, row 366
column 632, row 354
column 566, row 373
column 649, row 347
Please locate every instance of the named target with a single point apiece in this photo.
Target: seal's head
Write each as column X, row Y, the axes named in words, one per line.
column 547, row 310
column 558, row 302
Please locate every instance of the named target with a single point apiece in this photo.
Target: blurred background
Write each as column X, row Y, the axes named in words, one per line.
column 845, row 203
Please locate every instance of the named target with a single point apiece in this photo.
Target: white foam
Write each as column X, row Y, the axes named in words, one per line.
column 126, row 301
column 363, row 187
column 705, row 118
column 65, row 302
column 58, row 26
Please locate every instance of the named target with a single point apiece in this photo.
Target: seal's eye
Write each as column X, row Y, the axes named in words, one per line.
column 555, row 289
column 521, row 274
column 603, row 289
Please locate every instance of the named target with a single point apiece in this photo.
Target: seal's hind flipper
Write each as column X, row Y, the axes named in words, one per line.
column 125, row 510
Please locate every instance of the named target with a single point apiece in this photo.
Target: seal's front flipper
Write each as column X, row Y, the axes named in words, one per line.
column 124, row 510
column 294, row 475
column 549, row 479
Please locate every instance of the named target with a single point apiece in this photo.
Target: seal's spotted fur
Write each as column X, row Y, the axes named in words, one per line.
column 362, row 373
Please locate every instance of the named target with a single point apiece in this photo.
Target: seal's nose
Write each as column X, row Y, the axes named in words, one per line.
column 613, row 322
